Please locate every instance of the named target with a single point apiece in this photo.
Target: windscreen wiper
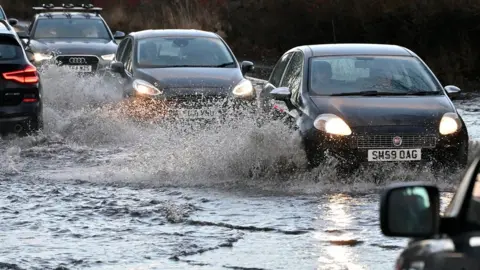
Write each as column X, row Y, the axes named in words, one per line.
column 225, row 64
column 369, row 93
column 423, row 93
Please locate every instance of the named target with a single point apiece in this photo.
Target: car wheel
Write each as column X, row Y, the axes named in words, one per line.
column 314, row 153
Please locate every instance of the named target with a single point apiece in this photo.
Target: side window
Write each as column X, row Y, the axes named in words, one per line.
column 121, row 48
column 277, row 71
column 293, row 76
column 473, row 212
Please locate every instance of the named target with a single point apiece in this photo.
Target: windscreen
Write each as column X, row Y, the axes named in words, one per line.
column 347, row 74
column 71, row 28
column 10, row 49
column 183, row 52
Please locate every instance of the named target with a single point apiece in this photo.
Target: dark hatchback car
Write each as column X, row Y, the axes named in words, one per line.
column 76, row 37
column 20, row 86
column 180, row 73
column 437, row 241
column 366, row 103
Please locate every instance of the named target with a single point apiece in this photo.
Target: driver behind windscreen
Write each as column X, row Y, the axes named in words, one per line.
column 148, row 53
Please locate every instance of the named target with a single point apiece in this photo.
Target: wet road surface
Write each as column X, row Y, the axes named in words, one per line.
column 97, row 191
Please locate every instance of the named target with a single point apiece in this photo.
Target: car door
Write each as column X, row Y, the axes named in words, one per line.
column 292, row 78
column 274, row 81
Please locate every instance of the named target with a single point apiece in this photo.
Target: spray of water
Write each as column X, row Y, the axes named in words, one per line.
column 87, row 136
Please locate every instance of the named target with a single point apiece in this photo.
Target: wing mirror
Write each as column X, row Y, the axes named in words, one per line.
column 12, row 21
column 410, row 210
column 452, row 91
column 281, row 93
column 247, row 67
column 118, row 67
column 119, row 35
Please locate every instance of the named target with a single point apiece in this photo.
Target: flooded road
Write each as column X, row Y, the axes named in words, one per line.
column 97, row 191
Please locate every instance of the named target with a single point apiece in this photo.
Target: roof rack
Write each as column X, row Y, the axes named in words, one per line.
column 68, row 8
column 4, row 22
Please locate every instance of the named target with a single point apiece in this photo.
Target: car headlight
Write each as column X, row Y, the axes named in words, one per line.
column 330, row 123
column 41, row 57
column 450, row 123
column 108, row 57
column 244, row 89
column 146, row 88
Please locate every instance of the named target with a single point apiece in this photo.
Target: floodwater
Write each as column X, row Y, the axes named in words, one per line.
column 98, row 191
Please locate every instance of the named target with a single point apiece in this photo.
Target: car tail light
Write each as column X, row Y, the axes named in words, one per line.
column 27, row 75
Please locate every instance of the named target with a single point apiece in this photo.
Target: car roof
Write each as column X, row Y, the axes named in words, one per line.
column 357, row 49
column 173, row 32
column 75, row 15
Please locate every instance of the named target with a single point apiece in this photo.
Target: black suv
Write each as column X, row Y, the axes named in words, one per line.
column 3, row 16
column 20, row 86
column 76, row 37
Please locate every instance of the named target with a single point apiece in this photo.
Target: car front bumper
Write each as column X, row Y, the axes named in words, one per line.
column 354, row 149
column 98, row 68
column 144, row 108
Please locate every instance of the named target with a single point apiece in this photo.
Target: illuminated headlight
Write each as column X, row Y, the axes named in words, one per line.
column 146, row 88
column 244, row 89
column 108, row 57
column 330, row 123
column 41, row 57
column 450, row 123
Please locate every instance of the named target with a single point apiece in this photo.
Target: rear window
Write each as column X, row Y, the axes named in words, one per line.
column 10, row 49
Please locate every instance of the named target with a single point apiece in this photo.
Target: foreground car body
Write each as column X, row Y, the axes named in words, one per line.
column 75, row 37
column 180, row 73
column 366, row 103
column 20, row 86
column 449, row 241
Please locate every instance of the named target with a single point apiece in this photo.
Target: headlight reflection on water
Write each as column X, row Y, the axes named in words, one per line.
column 339, row 251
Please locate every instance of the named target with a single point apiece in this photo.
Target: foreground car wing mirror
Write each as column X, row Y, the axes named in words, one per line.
column 452, row 91
column 281, row 93
column 118, row 35
column 410, row 210
column 247, row 67
column 12, row 21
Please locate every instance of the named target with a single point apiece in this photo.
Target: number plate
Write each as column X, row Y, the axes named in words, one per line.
column 197, row 113
column 395, row 155
column 84, row 68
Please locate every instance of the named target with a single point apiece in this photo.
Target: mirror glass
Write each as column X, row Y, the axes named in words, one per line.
column 410, row 211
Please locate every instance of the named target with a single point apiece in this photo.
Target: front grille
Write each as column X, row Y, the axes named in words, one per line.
column 386, row 141
column 10, row 99
column 77, row 60
column 195, row 100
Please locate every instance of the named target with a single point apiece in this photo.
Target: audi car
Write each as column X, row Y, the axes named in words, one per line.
column 366, row 104
column 181, row 74
column 20, row 86
column 75, row 37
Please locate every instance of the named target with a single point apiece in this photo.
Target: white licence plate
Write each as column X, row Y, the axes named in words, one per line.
column 197, row 113
column 394, row 154
column 84, row 68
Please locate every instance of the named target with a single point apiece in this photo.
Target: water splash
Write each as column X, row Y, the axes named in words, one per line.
column 87, row 137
